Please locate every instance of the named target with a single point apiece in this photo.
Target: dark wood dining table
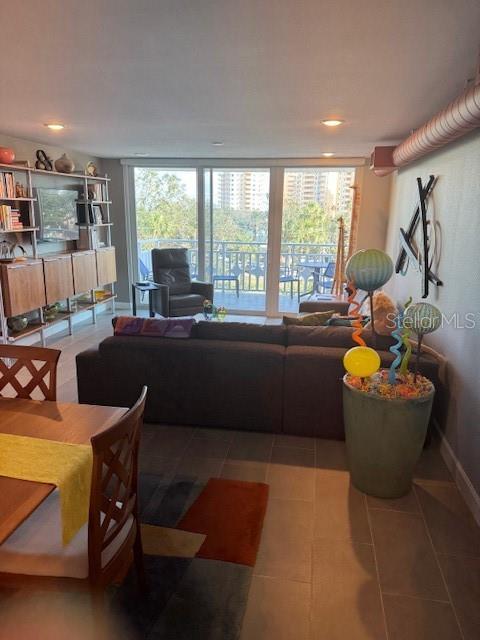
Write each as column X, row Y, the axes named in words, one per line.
column 60, row 421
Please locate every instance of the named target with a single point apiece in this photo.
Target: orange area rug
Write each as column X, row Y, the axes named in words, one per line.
column 230, row 513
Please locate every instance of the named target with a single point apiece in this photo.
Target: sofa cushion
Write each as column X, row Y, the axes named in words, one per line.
column 332, row 336
column 311, row 306
column 241, row 332
column 231, row 384
column 317, row 319
column 186, row 301
column 346, row 321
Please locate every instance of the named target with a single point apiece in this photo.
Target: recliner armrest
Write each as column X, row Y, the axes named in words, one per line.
column 161, row 300
column 204, row 289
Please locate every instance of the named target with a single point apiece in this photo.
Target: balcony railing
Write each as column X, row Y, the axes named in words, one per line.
column 247, row 261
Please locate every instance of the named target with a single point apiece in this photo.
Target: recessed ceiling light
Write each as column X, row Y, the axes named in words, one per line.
column 332, row 122
column 217, row 143
column 141, row 154
column 55, row 126
column 327, row 154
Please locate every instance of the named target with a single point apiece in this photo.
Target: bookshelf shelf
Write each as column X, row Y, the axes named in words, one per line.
column 63, row 316
column 83, row 176
column 94, row 202
column 18, row 199
column 13, row 336
column 19, row 230
column 95, row 224
column 14, row 167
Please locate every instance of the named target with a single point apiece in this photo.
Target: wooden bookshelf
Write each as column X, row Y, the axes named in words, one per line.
column 77, row 272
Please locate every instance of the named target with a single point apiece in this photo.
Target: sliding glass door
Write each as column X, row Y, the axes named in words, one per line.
column 314, row 200
column 265, row 236
column 166, row 214
column 238, row 236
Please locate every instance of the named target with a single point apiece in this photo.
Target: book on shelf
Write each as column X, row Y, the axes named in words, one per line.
column 7, row 185
column 10, row 218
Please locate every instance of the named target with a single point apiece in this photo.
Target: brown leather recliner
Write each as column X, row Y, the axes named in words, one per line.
column 178, row 295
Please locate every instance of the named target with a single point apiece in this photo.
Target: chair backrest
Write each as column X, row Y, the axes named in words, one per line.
column 113, row 496
column 170, row 267
column 28, row 370
column 330, row 270
column 144, row 272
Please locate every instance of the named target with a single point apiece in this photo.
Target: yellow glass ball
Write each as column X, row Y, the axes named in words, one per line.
column 361, row 361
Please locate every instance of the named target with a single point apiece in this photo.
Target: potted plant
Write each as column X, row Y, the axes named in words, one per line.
column 386, row 412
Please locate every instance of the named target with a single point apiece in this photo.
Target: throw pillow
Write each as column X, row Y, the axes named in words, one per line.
column 309, row 319
column 153, row 327
column 345, row 321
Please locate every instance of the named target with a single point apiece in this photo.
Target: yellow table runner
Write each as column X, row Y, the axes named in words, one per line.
column 69, row 466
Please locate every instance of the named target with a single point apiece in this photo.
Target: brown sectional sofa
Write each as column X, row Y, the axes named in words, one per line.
column 231, row 375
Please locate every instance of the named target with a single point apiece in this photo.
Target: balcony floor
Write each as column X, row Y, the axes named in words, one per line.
column 255, row 301
column 247, row 301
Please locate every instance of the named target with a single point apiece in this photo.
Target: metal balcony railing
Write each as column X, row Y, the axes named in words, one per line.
column 247, row 261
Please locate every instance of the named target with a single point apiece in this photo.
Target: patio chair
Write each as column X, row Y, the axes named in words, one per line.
column 228, row 278
column 328, row 275
column 291, row 277
column 145, row 273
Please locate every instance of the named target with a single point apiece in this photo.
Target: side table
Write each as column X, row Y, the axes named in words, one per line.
column 150, row 287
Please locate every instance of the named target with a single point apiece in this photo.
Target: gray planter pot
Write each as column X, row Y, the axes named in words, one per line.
column 384, row 440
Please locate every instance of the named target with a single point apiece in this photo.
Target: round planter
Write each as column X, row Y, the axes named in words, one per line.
column 384, row 439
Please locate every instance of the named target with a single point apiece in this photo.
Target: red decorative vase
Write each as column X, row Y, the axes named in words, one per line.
column 7, row 155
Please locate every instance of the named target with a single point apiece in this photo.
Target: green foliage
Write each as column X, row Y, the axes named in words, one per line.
column 165, row 210
column 309, row 223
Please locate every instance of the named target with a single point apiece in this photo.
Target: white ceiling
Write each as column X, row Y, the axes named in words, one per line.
column 168, row 77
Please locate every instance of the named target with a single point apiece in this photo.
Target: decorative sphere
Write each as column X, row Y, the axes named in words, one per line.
column 369, row 269
column 361, row 361
column 422, row 318
column 7, row 155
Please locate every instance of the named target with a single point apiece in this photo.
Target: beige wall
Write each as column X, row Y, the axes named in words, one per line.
column 25, row 150
column 120, row 229
column 455, row 207
column 374, row 207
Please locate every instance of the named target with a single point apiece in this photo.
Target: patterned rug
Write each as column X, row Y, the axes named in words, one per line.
column 200, row 542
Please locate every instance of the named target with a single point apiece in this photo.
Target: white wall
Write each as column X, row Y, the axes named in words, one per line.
column 120, row 229
column 455, row 206
column 374, row 209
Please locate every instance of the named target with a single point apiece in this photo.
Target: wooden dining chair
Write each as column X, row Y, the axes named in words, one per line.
column 101, row 553
column 28, row 369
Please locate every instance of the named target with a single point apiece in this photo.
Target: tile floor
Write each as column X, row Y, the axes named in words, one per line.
column 333, row 564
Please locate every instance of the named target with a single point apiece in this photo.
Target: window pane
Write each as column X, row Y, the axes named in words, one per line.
column 166, row 213
column 314, row 200
column 239, row 235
